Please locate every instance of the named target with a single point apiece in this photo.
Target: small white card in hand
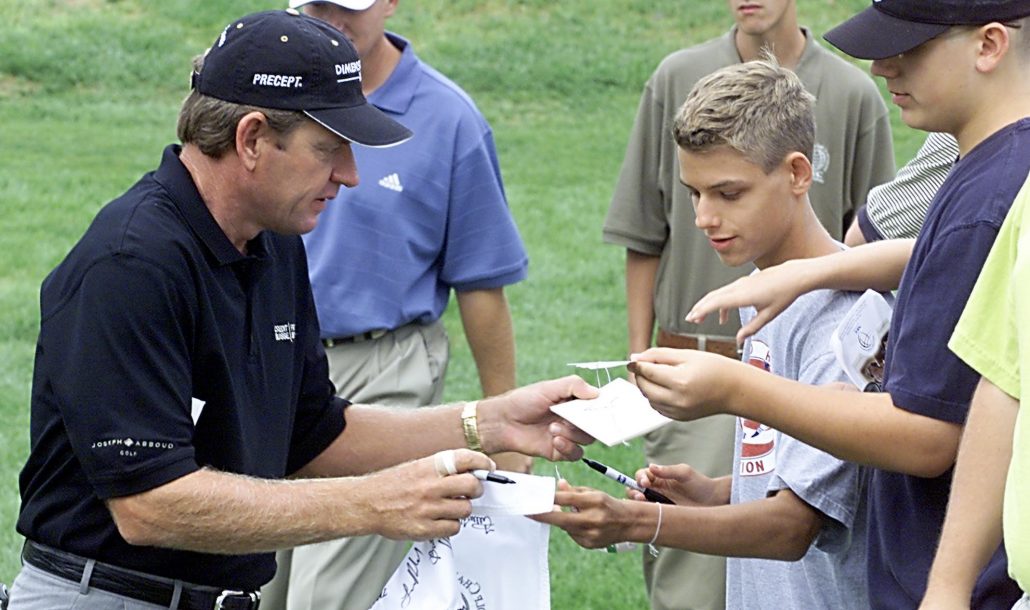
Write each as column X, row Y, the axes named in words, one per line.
column 599, row 365
column 620, row 413
column 528, row 495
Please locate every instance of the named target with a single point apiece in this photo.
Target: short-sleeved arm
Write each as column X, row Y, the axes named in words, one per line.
column 636, row 217
column 869, row 231
column 121, row 371
column 923, row 376
column 483, row 248
column 988, row 333
column 897, row 209
column 832, row 486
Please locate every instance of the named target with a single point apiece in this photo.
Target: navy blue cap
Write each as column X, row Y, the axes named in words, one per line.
column 890, row 27
column 289, row 61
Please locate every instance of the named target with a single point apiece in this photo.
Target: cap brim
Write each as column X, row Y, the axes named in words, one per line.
column 364, row 124
column 354, row 5
column 873, row 34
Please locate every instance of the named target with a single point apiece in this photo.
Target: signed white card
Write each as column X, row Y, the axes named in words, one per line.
column 495, row 562
column 528, row 495
column 620, row 413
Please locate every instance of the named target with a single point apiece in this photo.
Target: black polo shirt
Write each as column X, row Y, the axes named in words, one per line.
column 151, row 312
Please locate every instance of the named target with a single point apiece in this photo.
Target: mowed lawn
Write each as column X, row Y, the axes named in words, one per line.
column 89, row 91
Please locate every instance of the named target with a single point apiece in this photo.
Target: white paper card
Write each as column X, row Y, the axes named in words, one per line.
column 529, row 495
column 620, row 413
column 599, row 365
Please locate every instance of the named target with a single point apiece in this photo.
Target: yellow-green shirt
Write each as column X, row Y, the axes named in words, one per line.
column 992, row 339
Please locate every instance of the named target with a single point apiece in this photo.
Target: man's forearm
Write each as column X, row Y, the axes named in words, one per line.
column 216, row 512
column 641, row 270
column 491, row 337
column 378, row 437
column 972, row 528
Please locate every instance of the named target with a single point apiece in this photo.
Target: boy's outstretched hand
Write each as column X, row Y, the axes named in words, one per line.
column 683, row 384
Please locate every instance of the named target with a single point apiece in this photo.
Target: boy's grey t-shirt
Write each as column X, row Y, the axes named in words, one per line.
column 832, row 575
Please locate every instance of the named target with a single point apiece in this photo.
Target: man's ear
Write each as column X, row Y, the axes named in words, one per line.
column 993, row 43
column 251, row 129
column 800, row 172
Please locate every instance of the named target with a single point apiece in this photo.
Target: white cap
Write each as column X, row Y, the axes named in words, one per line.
column 354, row 5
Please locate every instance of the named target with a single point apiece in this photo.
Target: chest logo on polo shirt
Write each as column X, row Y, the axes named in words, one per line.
column 820, row 163
column 285, row 332
column 392, row 182
column 757, row 441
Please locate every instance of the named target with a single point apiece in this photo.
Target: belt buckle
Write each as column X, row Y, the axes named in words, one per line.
column 252, row 597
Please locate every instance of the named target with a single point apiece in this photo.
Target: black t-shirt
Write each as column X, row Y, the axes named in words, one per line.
column 152, row 313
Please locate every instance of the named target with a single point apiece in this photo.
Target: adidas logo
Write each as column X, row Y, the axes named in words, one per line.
column 392, row 182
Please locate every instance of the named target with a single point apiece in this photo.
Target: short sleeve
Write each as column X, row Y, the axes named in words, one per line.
column 483, row 248
column 636, row 217
column 832, row 486
column 987, row 334
column 118, row 354
column 898, row 208
column 922, row 376
column 320, row 414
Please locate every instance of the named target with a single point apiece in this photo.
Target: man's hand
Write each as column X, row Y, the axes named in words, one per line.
column 419, row 501
column 522, row 421
column 769, row 291
column 683, row 384
column 681, row 484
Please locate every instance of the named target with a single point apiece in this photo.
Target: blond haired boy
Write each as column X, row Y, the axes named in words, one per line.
column 788, row 515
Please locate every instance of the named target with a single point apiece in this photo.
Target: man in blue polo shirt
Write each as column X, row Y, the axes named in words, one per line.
column 430, row 215
column 179, row 375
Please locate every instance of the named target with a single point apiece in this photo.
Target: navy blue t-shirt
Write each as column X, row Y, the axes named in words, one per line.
column 924, row 377
column 152, row 313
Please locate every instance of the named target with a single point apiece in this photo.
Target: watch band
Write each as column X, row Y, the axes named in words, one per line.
column 470, row 427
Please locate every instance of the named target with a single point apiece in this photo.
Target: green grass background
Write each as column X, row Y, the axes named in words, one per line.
column 89, row 91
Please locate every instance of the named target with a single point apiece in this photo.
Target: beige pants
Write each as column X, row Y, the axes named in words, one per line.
column 404, row 368
column 680, row 580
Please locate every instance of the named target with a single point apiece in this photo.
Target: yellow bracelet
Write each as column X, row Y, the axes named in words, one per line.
column 469, row 425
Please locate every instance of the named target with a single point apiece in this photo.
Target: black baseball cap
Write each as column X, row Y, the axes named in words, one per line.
column 890, row 27
column 289, row 61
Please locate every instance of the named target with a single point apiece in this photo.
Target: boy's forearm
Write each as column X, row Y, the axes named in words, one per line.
column 972, row 528
column 860, row 427
column 877, row 265
column 779, row 527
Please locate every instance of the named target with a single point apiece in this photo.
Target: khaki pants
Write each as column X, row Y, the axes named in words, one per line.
column 680, row 580
column 403, row 368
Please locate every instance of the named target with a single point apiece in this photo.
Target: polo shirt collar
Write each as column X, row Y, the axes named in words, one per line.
column 175, row 178
column 811, row 46
column 397, row 92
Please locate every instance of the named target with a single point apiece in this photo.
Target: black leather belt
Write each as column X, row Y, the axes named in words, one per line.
column 151, row 589
column 358, row 338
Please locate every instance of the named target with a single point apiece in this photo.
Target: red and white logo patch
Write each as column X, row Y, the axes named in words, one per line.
column 758, row 441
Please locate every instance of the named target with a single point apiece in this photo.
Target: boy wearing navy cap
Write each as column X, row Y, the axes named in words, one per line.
column 954, row 66
column 179, row 376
